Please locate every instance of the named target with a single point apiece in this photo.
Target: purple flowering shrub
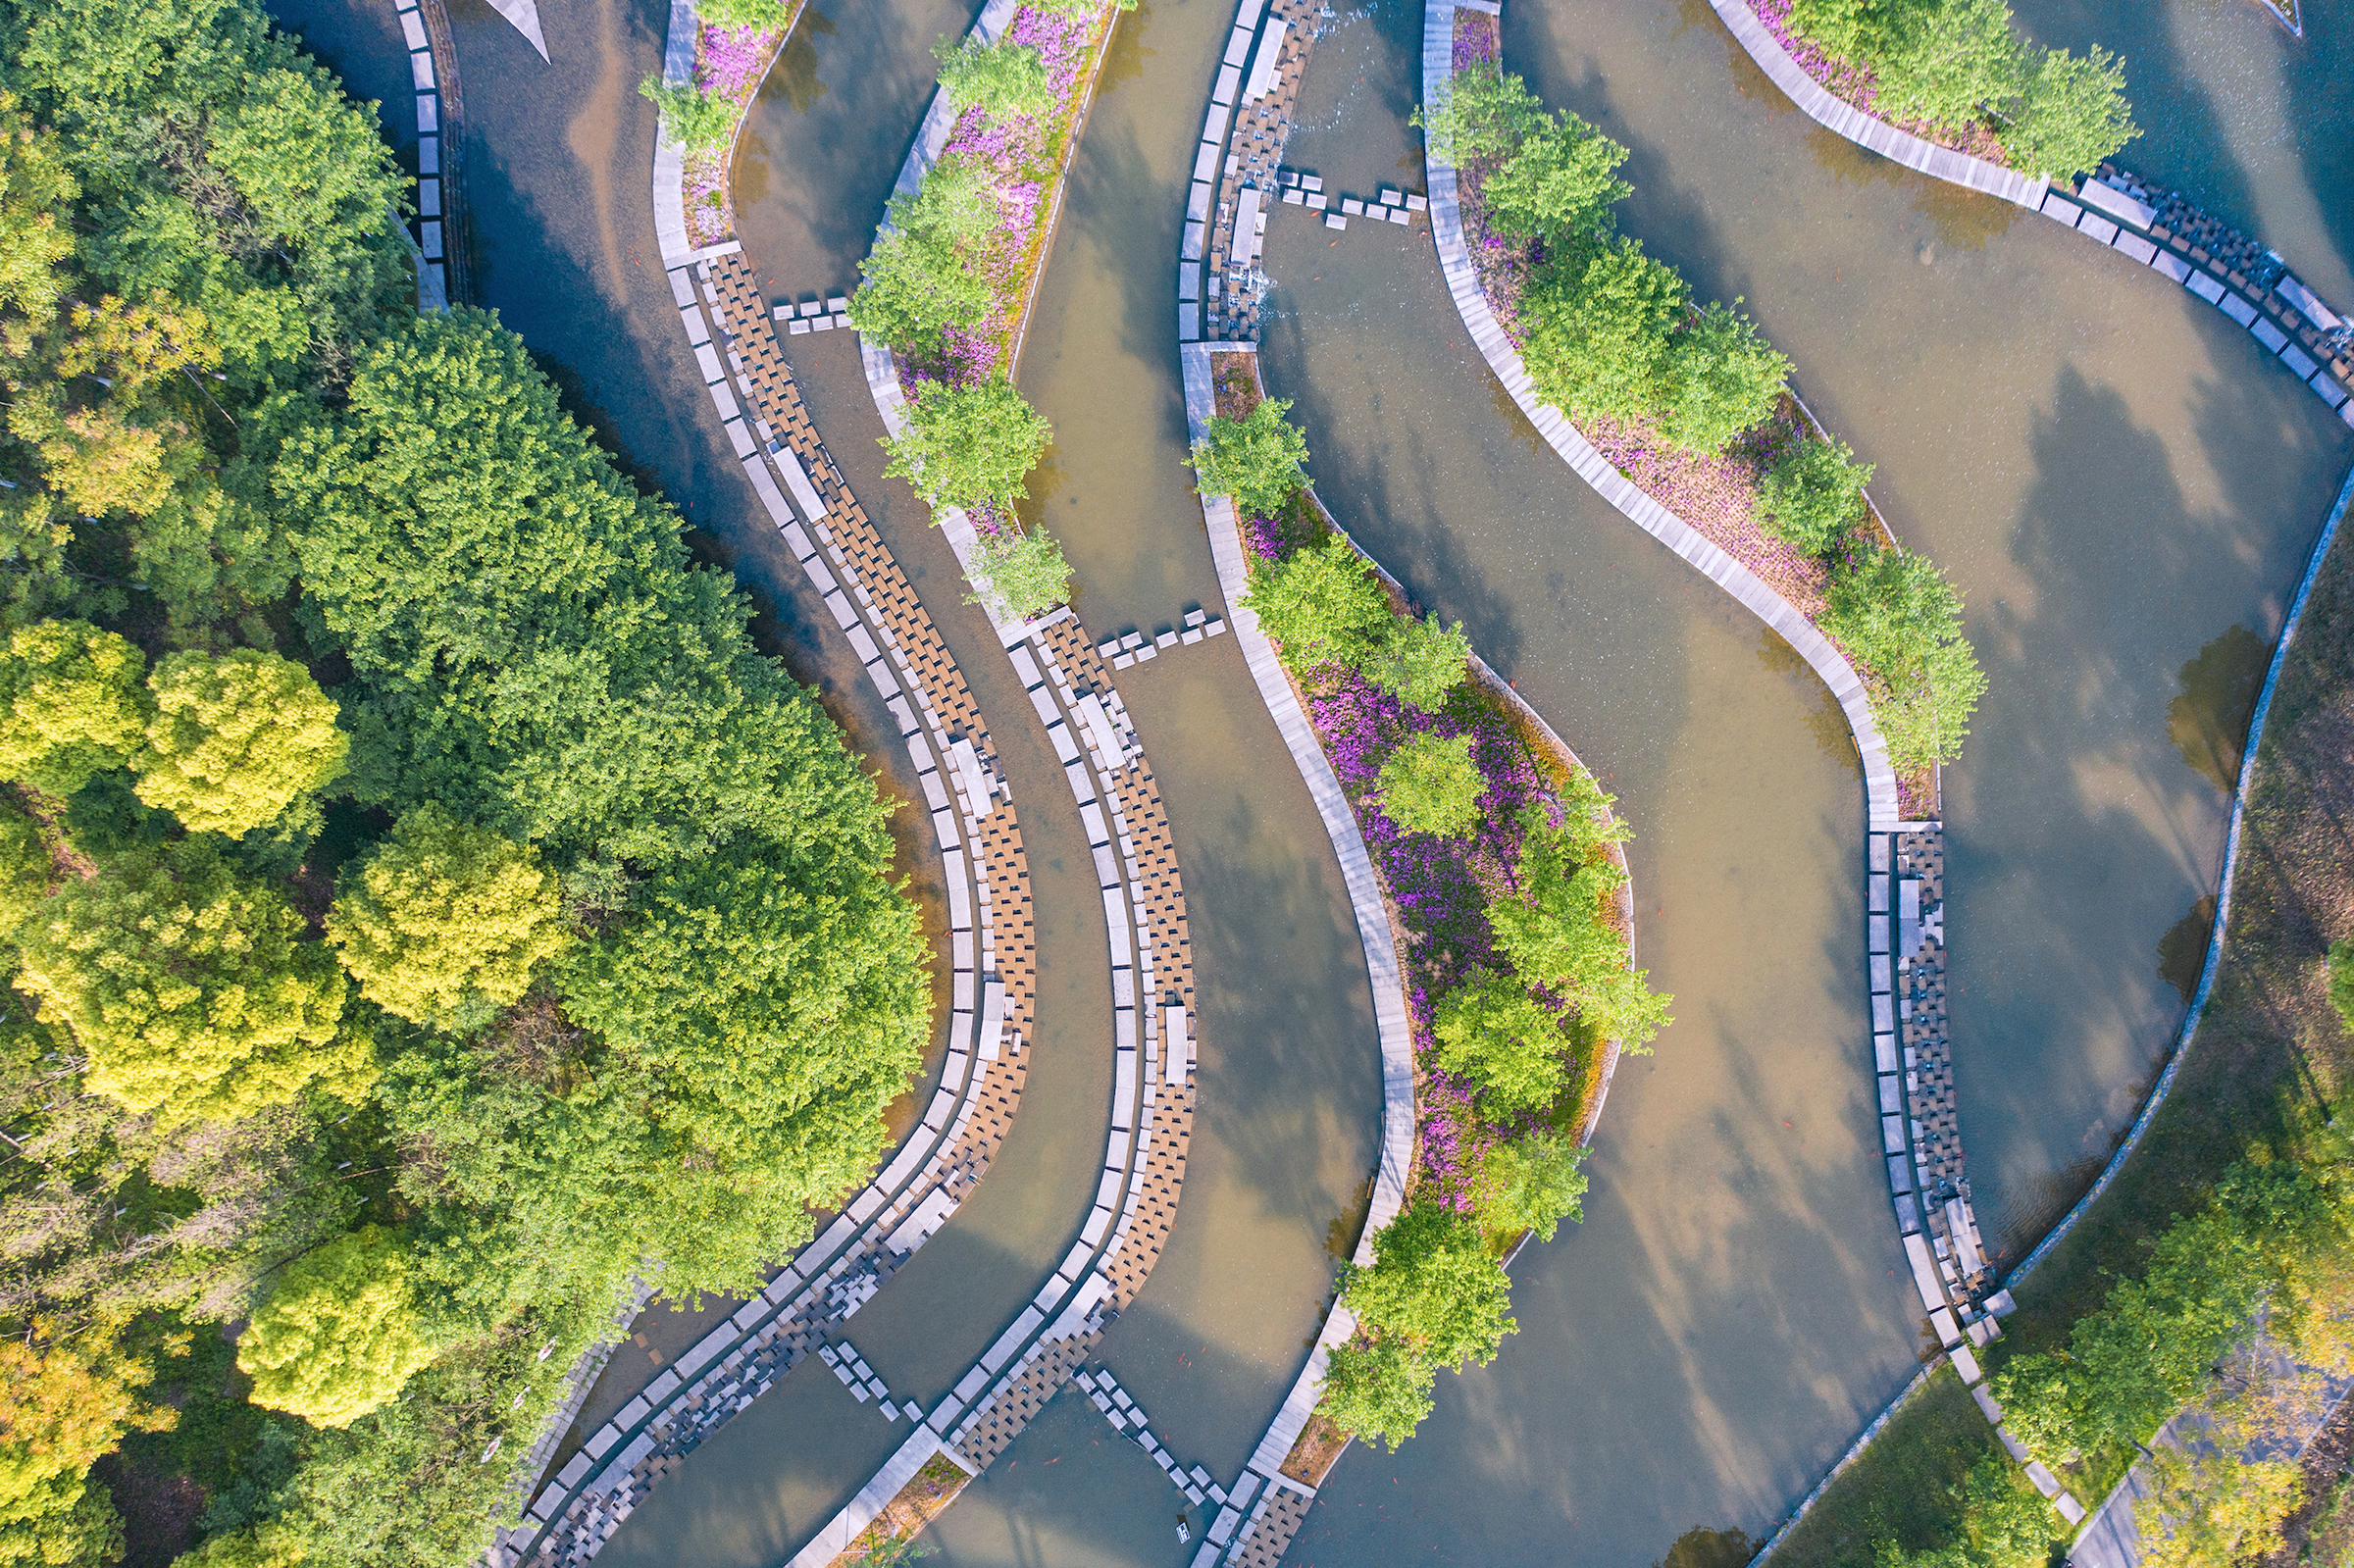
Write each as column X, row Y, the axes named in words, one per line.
column 729, row 63
column 1439, row 887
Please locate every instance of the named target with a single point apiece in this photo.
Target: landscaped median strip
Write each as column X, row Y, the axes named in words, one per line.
column 1903, row 860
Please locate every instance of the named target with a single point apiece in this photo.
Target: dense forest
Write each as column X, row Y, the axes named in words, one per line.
column 428, row 915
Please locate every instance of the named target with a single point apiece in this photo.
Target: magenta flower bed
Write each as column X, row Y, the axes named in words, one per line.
column 1439, row 888
column 1023, row 154
column 729, row 63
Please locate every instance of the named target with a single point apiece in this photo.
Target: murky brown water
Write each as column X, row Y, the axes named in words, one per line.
column 2115, row 477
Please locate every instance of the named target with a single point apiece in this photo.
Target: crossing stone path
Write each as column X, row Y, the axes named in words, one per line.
column 1235, row 179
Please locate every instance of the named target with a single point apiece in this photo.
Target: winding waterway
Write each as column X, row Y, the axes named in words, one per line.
column 2115, row 477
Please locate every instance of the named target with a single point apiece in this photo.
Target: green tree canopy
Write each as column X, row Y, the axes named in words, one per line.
column 968, row 446
column 189, row 987
column 697, row 120
column 27, row 871
column 37, row 195
column 1420, row 662
column 1722, row 377
column 1813, row 494
column 761, row 13
column 918, row 282
column 236, row 739
column 1433, row 1287
column 1558, row 936
column 1378, row 1390
column 1559, row 184
column 1530, row 1183
column 1600, row 323
column 1256, row 459
column 2342, row 979
column 1430, row 784
column 761, row 1009
column 2073, row 115
column 530, row 645
column 1897, row 614
column 1946, row 61
column 339, row 1332
column 1002, row 80
column 62, row 1408
column 72, row 702
column 1483, row 110
column 1320, row 605
column 1020, row 574
column 1506, row 1042
column 445, row 923
column 220, row 166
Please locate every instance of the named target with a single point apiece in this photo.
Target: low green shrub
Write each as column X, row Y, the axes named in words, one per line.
column 1814, row 494
column 1258, row 459
column 1897, row 614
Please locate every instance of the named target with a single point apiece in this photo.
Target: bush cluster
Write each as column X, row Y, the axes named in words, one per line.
column 1958, row 63
column 425, row 910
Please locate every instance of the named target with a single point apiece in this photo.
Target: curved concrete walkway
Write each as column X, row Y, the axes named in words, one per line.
column 1903, row 861
column 992, row 984
column 2280, row 317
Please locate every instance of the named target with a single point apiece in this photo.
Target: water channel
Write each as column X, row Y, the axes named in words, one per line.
column 2114, row 477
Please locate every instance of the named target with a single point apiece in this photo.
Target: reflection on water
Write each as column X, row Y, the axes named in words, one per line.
column 2183, row 950
column 1703, row 1547
column 2209, row 721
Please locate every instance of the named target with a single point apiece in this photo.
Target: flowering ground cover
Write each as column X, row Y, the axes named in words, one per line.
column 729, row 65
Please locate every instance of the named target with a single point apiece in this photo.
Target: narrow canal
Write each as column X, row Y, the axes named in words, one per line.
column 2115, row 480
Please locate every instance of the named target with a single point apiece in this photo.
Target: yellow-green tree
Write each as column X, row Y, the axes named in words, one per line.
column 25, row 870
column 339, row 1332
column 59, row 1410
column 70, row 704
column 188, row 988
column 236, row 739
column 445, row 924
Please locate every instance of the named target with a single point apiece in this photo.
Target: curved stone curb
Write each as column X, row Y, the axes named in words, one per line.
column 1835, row 114
column 2223, row 900
column 1728, row 574
column 1910, row 1055
column 2102, row 214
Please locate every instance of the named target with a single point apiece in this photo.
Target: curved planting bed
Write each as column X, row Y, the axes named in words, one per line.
column 1699, row 445
column 1476, row 845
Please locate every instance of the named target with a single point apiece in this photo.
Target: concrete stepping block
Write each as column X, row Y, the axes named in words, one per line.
column 1335, row 221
